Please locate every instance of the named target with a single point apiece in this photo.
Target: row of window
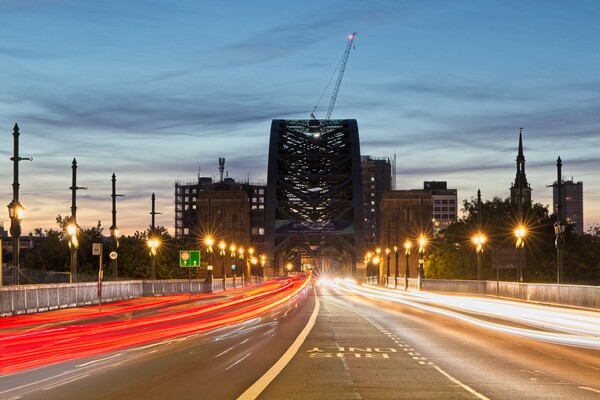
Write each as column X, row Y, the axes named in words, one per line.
column 444, row 201
column 445, row 216
column 438, row 209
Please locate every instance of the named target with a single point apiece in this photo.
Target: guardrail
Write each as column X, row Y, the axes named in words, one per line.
column 26, row 299
column 565, row 295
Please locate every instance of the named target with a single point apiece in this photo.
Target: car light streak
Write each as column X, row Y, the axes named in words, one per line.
column 34, row 348
column 580, row 327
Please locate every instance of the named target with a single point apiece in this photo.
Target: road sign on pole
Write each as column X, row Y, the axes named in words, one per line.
column 189, row 258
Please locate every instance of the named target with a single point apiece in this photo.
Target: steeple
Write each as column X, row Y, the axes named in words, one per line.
column 520, row 192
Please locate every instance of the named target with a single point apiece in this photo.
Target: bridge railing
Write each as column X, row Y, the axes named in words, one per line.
column 567, row 295
column 25, row 299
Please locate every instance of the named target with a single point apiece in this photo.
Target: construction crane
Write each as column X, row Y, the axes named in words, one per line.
column 336, row 89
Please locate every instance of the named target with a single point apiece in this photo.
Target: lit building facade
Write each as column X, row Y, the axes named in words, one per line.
column 376, row 179
column 572, row 204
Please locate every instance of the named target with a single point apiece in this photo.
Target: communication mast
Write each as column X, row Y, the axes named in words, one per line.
column 336, row 88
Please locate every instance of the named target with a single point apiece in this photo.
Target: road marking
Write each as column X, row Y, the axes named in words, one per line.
column 590, row 389
column 76, row 378
column 467, row 388
column 98, row 360
column 237, row 362
column 256, row 389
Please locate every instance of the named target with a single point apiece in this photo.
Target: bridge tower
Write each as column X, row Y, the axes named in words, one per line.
column 313, row 201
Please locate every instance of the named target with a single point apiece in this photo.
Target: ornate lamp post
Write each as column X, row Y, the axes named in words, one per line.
column 379, row 269
column 232, row 256
column 15, row 209
column 289, row 268
column 222, row 247
column 368, row 257
column 208, row 243
column 153, row 244
column 422, row 245
column 559, row 227
column 387, row 276
column 251, row 265
column 263, row 259
column 407, row 246
column 114, row 231
column 241, row 251
column 375, row 262
column 396, row 255
column 15, row 212
column 520, row 244
column 73, row 233
column 478, row 241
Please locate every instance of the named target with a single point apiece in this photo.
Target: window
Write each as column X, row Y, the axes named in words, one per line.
column 452, row 201
column 445, row 201
column 437, row 209
column 438, row 202
column 452, row 209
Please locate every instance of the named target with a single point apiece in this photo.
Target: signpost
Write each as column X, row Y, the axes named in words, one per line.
column 97, row 251
column 189, row 258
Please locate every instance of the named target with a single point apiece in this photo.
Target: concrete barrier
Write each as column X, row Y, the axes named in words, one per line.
column 564, row 295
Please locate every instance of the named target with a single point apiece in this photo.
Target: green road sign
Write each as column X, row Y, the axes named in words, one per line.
column 189, row 258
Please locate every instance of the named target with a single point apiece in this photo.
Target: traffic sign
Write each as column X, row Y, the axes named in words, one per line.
column 189, row 258
column 113, row 255
column 96, row 249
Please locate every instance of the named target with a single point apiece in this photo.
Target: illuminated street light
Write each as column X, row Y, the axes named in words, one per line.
column 422, row 245
column 289, row 266
column 396, row 255
column 407, row 246
column 16, row 213
column 478, row 241
column 520, row 233
column 368, row 258
column 387, row 276
column 208, row 244
column 263, row 260
column 222, row 247
column 379, row 269
column 153, row 244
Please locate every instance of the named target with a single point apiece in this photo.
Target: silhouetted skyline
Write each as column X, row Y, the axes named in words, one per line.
column 156, row 91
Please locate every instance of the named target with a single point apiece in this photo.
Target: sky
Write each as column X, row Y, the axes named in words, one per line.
column 156, row 91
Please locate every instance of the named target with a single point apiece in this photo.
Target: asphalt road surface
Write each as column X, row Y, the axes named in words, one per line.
column 358, row 348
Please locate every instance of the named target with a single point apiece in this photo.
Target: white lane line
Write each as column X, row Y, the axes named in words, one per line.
column 237, row 362
column 36, row 382
column 98, row 360
column 590, row 389
column 467, row 388
column 65, row 382
column 256, row 389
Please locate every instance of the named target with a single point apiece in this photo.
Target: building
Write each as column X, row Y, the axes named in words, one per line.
column 520, row 191
column 406, row 216
column 376, row 179
column 197, row 206
column 572, row 203
column 445, row 205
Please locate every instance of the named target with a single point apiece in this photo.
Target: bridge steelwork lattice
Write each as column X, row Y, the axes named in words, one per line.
column 313, row 202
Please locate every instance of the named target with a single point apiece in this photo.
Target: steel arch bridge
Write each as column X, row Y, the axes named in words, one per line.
column 313, row 201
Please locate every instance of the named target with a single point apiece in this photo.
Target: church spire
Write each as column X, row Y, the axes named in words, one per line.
column 520, row 192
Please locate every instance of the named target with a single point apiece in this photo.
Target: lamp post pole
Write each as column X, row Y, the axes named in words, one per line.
column 422, row 244
column 379, row 268
column 396, row 255
column 479, row 245
column 559, row 227
column 114, row 231
column 387, row 276
column 222, row 246
column 407, row 247
column 15, row 209
column 153, row 240
column 73, row 228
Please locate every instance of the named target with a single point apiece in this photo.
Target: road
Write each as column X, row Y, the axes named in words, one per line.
column 371, row 343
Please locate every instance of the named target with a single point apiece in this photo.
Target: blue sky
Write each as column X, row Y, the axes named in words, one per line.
column 155, row 91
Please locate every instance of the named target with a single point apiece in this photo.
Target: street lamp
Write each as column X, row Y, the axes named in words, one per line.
column 379, row 272
column 222, row 247
column 232, row 256
column 15, row 212
column 208, row 243
column 559, row 242
column 289, row 268
column 375, row 262
column 422, row 244
column 407, row 246
column 478, row 241
column 368, row 257
column 396, row 270
column 520, row 244
column 73, row 233
column 249, row 268
column 263, row 259
column 241, row 253
column 387, row 277
column 153, row 244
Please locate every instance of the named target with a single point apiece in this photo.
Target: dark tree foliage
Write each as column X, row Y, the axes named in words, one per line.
column 454, row 257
